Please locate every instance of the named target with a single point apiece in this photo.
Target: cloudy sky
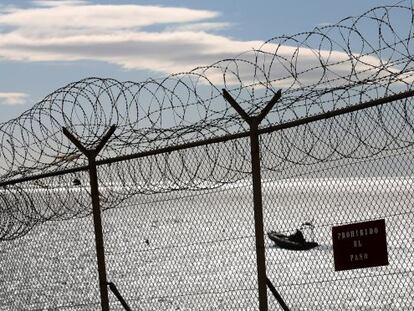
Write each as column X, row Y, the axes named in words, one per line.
column 45, row 44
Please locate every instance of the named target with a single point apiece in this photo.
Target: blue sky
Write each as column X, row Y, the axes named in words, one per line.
column 46, row 44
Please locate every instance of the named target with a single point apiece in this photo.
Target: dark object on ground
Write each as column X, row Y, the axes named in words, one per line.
column 292, row 242
column 76, row 182
column 295, row 241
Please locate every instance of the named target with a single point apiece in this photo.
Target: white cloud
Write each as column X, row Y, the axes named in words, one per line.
column 71, row 18
column 199, row 27
column 54, row 3
column 12, row 98
column 75, row 30
column 160, row 51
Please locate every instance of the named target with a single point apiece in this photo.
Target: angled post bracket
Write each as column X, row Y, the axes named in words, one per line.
column 90, row 152
column 269, row 106
column 236, row 106
column 251, row 120
column 75, row 141
column 105, row 139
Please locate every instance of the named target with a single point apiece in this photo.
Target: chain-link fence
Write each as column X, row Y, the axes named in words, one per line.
column 362, row 173
column 180, row 188
column 194, row 249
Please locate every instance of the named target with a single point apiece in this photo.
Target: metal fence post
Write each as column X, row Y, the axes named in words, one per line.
column 258, row 216
column 96, row 209
column 254, row 122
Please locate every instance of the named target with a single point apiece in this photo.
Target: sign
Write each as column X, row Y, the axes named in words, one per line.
column 360, row 245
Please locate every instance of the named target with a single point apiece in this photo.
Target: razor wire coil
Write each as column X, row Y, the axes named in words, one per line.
column 329, row 68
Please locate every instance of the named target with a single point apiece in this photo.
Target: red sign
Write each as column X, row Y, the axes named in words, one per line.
column 360, row 245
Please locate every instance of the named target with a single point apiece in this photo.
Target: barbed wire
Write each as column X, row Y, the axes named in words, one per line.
column 331, row 67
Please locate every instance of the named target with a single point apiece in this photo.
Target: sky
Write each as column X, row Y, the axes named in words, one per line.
column 46, row 44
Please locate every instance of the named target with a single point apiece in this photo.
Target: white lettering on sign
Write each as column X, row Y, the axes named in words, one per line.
column 358, row 257
column 357, row 243
column 360, row 245
column 354, row 235
column 357, row 233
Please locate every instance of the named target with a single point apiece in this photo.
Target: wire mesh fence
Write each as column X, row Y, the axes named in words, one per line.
column 194, row 249
column 175, row 183
column 187, row 249
column 358, row 182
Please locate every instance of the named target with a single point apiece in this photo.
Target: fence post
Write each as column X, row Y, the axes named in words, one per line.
column 258, row 216
column 91, row 154
column 254, row 122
